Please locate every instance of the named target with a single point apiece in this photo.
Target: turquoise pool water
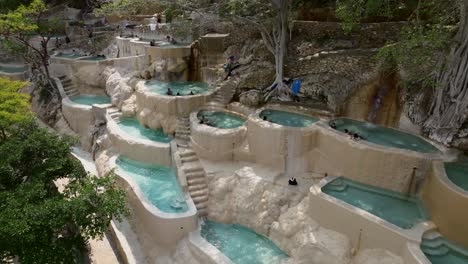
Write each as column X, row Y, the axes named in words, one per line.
column 69, row 55
column 158, row 183
column 288, row 118
column 442, row 251
column 133, row 127
column 183, row 88
column 221, row 119
column 242, row 245
column 13, row 69
column 385, row 136
column 393, row 207
column 457, row 172
column 89, row 99
column 94, row 58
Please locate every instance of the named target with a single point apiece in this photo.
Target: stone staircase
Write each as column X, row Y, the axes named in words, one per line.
column 224, row 95
column 192, row 167
column 68, row 86
column 114, row 113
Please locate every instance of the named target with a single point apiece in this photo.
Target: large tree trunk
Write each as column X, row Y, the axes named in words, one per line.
column 450, row 104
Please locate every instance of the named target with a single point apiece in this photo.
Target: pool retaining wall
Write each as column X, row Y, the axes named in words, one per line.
column 216, row 143
column 447, row 204
column 138, row 149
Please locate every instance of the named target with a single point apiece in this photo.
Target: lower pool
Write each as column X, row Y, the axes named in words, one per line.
column 94, row 58
column 90, row 99
column 457, row 172
column 287, row 118
column 398, row 209
column 68, row 55
column 441, row 251
column 383, row 135
column 13, row 69
column 181, row 88
column 220, row 119
column 132, row 127
column 241, row 244
column 158, row 183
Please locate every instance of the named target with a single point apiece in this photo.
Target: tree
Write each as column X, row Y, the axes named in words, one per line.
column 19, row 26
column 123, row 8
column 39, row 224
column 14, row 106
column 450, row 103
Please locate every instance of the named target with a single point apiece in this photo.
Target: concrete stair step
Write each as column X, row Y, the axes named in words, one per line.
column 190, row 159
column 202, row 212
column 199, row 193
column 197, row 187
column 200, row 199
column 193, row 169
column 197, row 174
column 201, row 205
column 74, row 93
column 196, row 181
column 187, row 154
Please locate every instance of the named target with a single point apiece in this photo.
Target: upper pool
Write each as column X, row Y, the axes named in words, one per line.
column 457, row 172
column 90, row 99
column 398, row 209
column 441, row 251
column 384, row 136
column 132, row 127
column 287, row 118
column 242, row 245
column 178, row 88
column 69, row 55
column 13, row 69
column 158, row 183
column 220, row 119
column 94, row 58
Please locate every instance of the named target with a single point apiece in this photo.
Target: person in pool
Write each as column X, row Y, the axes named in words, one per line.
column 265, row 118
column 333, row 125
column 178, row 94
column 292, row 181
column 191, row 93
column 169, row 92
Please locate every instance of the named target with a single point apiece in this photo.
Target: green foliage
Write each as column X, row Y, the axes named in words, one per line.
column 129, row 7
column 8, row 5
column 14, row 106
column 38, row 223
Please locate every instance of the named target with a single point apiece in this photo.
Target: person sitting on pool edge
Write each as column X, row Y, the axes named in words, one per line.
column 292, row 181
column 169, row 91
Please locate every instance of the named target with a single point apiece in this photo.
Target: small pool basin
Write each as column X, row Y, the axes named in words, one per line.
column 94, row 58
column 384, row 136
column 181, row 88
column 399, row 209
column 69, row 55
column 220, row 119
column 158, row 183
column 13, row 69
column 242, row 245
column 89, row 99
column 457, row 172
column 289, row 119
column 442, row 251
column 132, row 127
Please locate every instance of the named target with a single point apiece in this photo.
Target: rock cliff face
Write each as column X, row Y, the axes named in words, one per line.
column 279, row 212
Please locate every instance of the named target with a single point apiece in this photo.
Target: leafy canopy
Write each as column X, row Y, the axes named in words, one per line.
column 14, row 106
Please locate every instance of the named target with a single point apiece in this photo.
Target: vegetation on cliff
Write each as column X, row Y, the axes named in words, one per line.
column 39, row 224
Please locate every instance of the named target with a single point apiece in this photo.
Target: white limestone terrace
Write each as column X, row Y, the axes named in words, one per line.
column 216, row 143
column 164, row 228
column 155, row 110
column 135, row 148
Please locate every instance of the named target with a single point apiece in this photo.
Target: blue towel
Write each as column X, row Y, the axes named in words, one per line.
column 296, row 86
